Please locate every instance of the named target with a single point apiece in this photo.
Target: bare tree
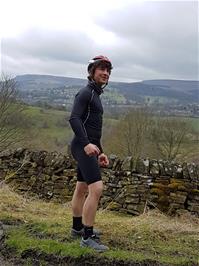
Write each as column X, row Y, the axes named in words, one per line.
column 129, row 136
column 11, row 116
column 169, row 135
column 136, row 126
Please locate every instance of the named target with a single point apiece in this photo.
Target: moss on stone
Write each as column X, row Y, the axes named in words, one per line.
column 163, row 199
column 175, row 186
column 195, row 191
column 113, row 206
column 183, row 188
column 157, row 191
column 159, row 185
column 176, row 180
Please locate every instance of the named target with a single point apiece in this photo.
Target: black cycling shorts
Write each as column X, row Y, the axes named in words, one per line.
column 88, row 169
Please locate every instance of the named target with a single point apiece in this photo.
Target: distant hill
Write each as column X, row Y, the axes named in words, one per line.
column 34, row 82
column 178, row 85
column 182, row 91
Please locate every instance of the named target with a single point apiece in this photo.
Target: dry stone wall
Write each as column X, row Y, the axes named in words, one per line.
column 170, row 187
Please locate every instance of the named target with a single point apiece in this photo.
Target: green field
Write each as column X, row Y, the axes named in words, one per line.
column 159, row 99
column 194, row 122
column 49, row 130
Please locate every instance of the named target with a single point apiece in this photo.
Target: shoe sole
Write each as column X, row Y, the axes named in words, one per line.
column 98, row 250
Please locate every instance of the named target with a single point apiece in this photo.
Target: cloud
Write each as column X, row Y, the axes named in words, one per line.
column 49, row 52
column 160, row 36
column 145, row 40
column 54, row 45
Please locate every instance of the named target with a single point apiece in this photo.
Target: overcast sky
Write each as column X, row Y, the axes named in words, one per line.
column 144, row 39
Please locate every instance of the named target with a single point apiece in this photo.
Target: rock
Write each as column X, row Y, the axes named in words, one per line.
column 179, row 197
column 132, row 199
column 154, row 168
column 114, row 206
column 1, row 231
column 117, row 165
column 127, row 164
column 194, row 208
column 112, row 158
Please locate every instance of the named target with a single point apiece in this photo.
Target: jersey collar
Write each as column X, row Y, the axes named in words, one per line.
column 93, row 85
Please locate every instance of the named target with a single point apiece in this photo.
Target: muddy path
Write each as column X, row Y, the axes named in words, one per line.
column 37, row 258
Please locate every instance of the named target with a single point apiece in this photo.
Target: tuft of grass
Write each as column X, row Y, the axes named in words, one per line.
column 19, row 239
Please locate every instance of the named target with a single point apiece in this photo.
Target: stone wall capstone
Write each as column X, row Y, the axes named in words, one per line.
column 170, row 187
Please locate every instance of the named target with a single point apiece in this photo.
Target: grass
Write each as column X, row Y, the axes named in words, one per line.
column 49, row 129
column 194, row 122
column 19, row 238
column 150, row 236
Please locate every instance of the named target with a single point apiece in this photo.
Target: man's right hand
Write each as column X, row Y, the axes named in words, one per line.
column 91, row 149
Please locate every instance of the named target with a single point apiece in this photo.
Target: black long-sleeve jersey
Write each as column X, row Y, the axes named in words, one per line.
column 87, row 114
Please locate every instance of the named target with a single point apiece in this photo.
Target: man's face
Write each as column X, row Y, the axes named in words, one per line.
column 101, row 75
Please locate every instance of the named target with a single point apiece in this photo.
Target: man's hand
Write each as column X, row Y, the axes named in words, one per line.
column 91, row 149
column 103, row 160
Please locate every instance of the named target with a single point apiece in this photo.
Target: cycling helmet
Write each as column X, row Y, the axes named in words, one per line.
column 98, row 60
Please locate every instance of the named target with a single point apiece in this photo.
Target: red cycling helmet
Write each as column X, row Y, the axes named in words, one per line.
column 96, row 61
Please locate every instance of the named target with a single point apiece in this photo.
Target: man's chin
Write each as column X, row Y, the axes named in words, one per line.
column 103, row 82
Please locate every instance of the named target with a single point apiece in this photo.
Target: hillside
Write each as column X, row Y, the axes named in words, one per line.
column 30, row 82
column 178, row 85
column 49, row 129
column 183, row 91
column 173, row 91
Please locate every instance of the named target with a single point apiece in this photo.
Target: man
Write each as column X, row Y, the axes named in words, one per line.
column 86, row 122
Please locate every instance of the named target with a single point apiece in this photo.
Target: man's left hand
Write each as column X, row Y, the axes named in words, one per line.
column 103, row 160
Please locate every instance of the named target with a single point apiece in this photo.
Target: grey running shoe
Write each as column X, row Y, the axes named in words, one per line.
column 80, row 233
column 94, row 243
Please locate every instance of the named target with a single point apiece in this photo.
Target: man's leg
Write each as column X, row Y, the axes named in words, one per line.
column 79, row 197
column 90, row 206
column 88, row 171
column 89, row 212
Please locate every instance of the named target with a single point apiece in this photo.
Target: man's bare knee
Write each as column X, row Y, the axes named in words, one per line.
column 96, row 189
column 81, row 188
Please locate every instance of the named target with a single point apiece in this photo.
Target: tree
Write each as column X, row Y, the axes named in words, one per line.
column 169, row 135
column 12, row 119
column 129, row 136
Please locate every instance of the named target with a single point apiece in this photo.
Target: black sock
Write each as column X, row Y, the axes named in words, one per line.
column 88, row 231
column 77, row 223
